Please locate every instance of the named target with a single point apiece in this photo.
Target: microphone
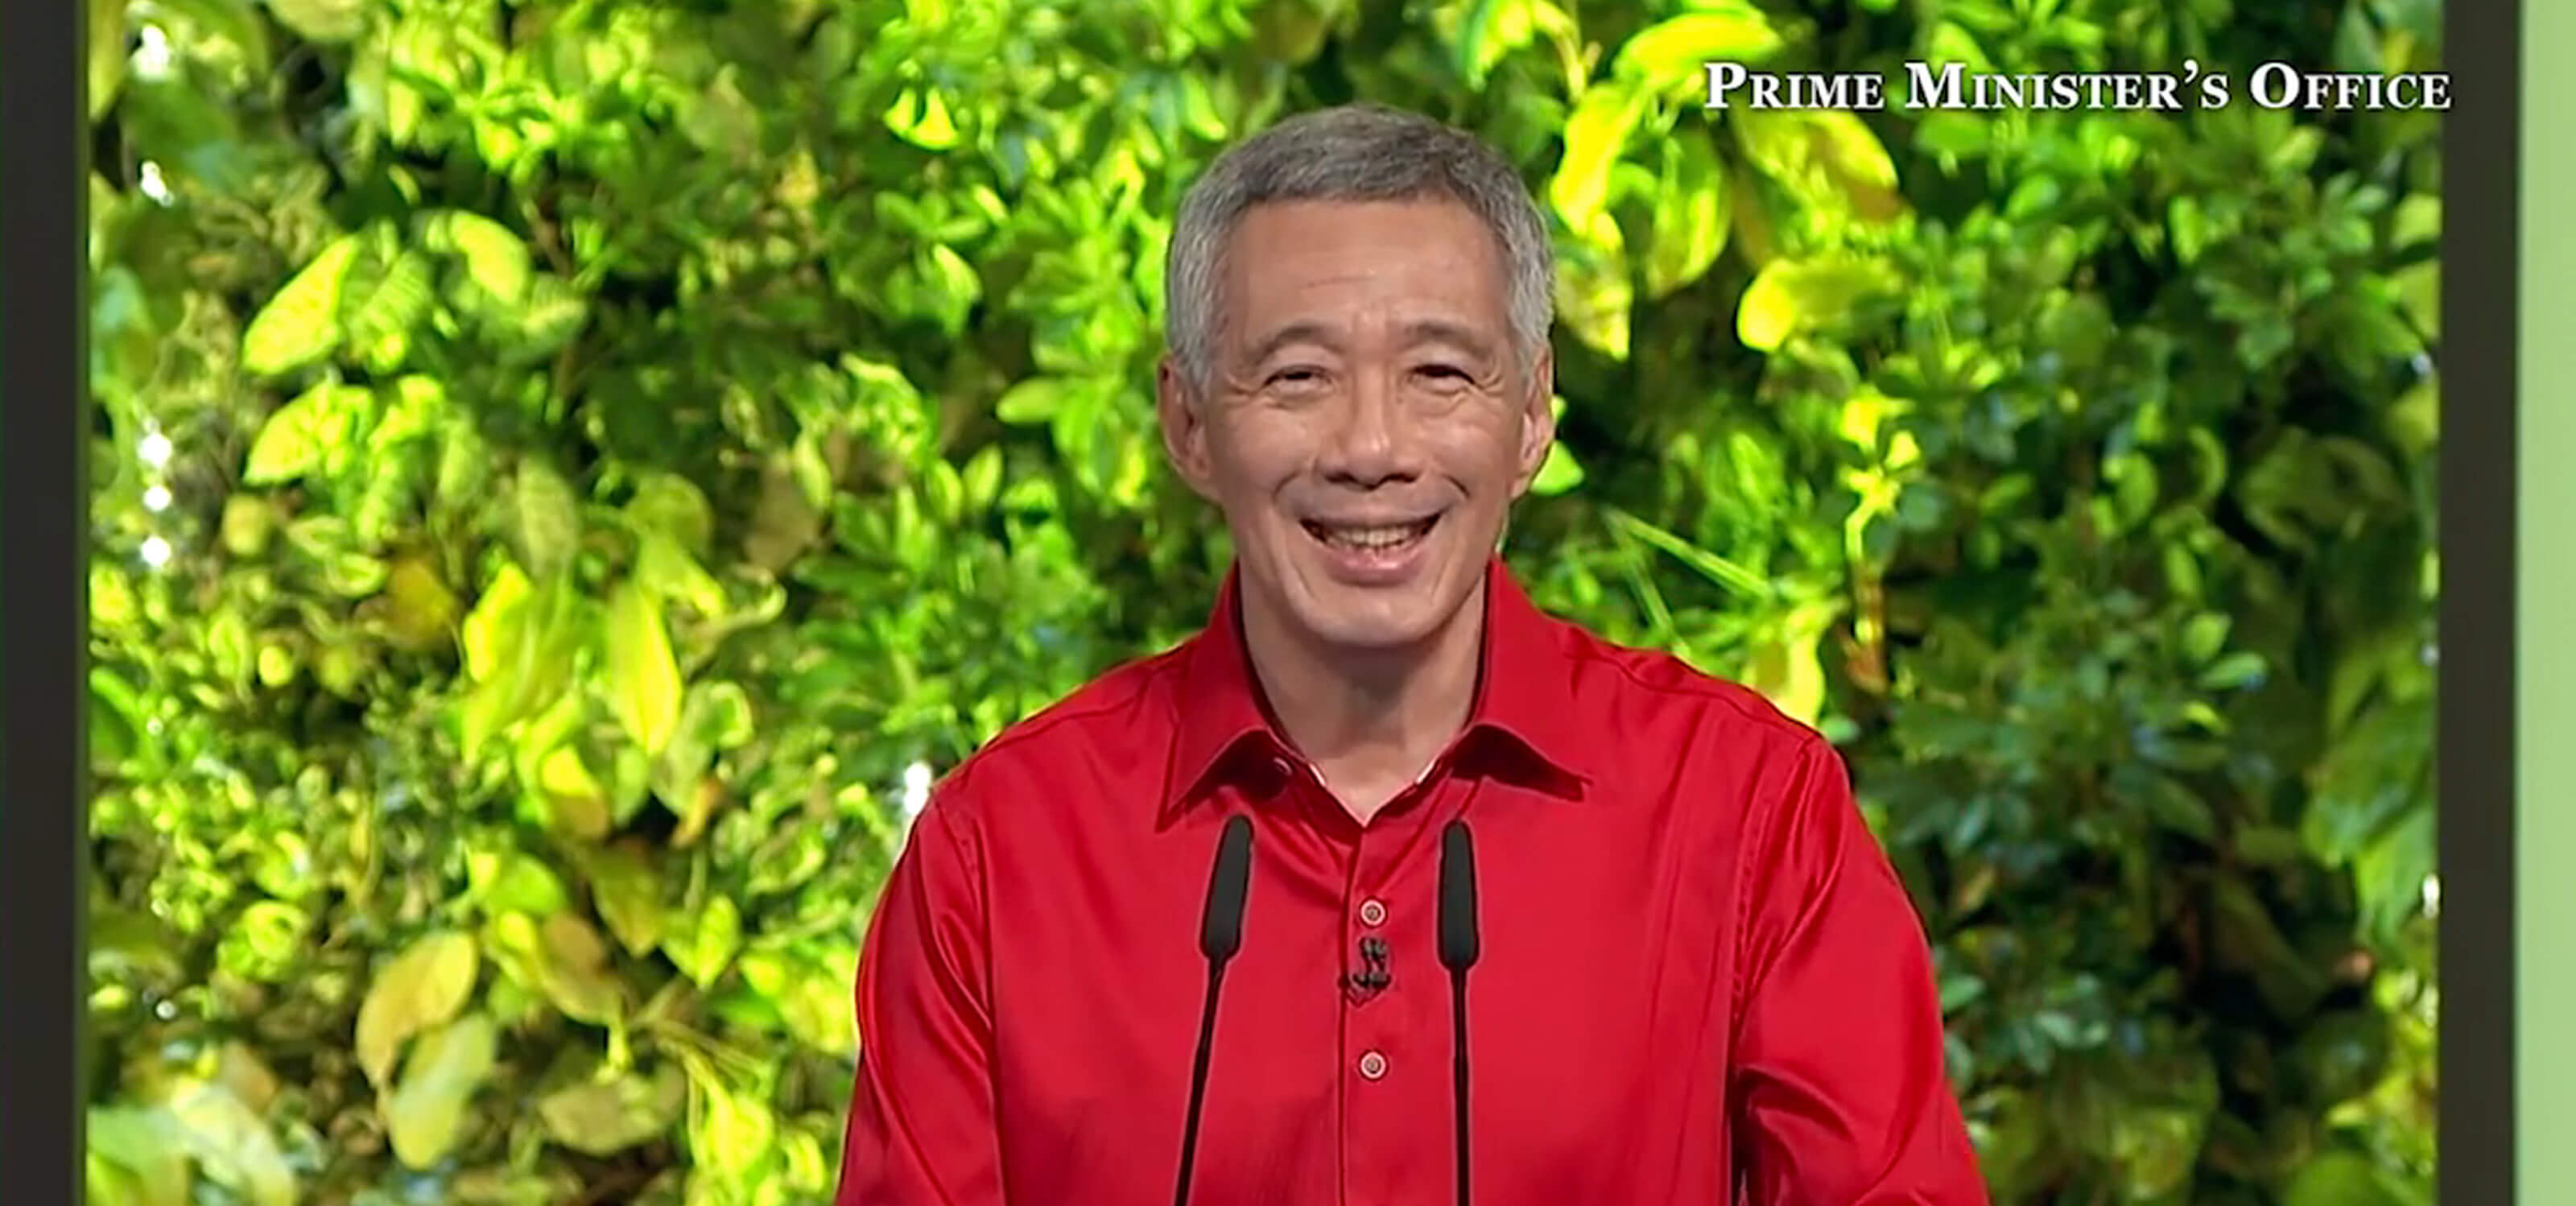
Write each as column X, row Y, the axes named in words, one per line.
column 1459, row 946
column 1220, row 936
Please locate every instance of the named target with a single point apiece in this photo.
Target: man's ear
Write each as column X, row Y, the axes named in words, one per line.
column 1538, row 420
column 1182, row 412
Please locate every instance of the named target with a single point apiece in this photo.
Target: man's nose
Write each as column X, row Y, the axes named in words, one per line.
column 1371, row 440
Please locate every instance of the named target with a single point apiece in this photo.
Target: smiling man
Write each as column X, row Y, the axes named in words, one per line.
column 1700, row 983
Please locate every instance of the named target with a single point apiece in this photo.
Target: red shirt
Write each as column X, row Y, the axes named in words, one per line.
column 1700, row 981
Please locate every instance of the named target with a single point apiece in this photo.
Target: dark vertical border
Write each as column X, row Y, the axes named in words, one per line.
column 44, row 506
column 2481, row 145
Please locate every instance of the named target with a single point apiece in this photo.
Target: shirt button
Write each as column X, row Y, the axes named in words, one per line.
column 1372, row 1066
column 1372, row 912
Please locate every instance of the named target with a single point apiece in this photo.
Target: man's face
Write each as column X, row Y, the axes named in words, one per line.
column 1367, row 425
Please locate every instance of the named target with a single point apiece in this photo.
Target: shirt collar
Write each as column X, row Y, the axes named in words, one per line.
column 1521, row 698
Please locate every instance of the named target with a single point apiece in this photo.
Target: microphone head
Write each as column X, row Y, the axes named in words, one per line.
column 1459, row 942
column 1221, row 931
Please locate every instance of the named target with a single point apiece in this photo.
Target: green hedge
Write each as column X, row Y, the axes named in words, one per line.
column 570, row 472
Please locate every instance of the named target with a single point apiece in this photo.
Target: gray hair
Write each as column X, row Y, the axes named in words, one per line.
column 1354, row 153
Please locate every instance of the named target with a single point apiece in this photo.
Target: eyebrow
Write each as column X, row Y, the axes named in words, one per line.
column 1417, row 332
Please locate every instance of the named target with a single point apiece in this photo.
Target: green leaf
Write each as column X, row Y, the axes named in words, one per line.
column 2204, row 636
column 1557, row 474
column 1031, row 403
column 606, row 1116
column 643, row 678
column 310, row 430
column 2341, row 1178
column 326, row 21
column 920, row 117
column 300, row 325
column 548, row 519
column 1596, row 134
column 1691, row 217
column 1825, row 157
column 498, row 625
column 674, row 507
column 573, row 970
column 628, row 895
column 513, row 882
column 107, row 54
column 2242, row 668
column 703, row 944
column 732, row 1131
column 235, row 23
column 496, row 261
column 1595, row 296
column 1788, row 297
column 425, row 986
column 145, row 1144
column 425, row 1114
column 232, row 1144
column 1672, row 54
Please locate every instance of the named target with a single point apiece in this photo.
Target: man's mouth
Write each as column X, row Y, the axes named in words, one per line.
column 1370, row 538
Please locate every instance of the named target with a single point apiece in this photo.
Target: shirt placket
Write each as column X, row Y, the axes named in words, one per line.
column 1391, row 1062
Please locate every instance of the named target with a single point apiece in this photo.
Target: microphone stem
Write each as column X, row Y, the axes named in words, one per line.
column 1458, row 1071
column 1198, row 1086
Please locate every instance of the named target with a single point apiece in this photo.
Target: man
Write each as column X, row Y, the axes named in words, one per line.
column 1700, row 982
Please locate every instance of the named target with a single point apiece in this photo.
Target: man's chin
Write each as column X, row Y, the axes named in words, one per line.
column 1374, row 621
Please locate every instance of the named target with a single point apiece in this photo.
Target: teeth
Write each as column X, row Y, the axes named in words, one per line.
column 1372, row 538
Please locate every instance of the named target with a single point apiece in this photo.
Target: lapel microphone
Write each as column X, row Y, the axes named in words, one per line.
column 1220, row 936
column 1459, row 947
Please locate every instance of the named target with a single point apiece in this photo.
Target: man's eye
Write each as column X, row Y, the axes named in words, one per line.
column 1447, row 374
column 1296, row 376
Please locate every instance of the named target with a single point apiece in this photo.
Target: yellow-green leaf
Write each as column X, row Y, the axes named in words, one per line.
column 1788, row 668
column 816, row 1009
column 574, row 797
column 1791, row 296
column 144, row 1145
column 425, row 986
column 301, row 323
column 420, row 612
column 1755, row 238
column 302, row 435
column 1826, row 157
column 1674, row 53
column 1690, row 216
column 496, row 261
column 214, row 24
column 1030, row 402
column 703, row 944
column 1595, row 293
column 921, row 118
column 425, row 1113
column 498, row 624
column 732, row 1131
column 643, row 675
column 572, row 969
column 603, row 1117
column 106, row 54
column 232, row 1145
column 628, row 895
column 673, row 507
column 1596, row 134
column 321, row 20
column 548, row 519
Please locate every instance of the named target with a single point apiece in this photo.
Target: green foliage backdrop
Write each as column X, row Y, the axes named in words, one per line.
column 570, row 470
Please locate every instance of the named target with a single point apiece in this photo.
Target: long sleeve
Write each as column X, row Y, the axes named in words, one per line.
column 921, row 1127
column 1842, row 1098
